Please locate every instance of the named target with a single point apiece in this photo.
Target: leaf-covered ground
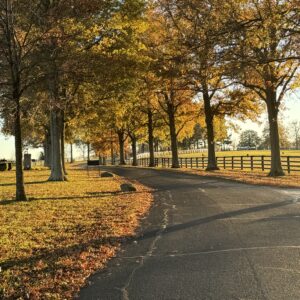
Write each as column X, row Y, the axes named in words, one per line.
column 260, row 178
column 52, row 243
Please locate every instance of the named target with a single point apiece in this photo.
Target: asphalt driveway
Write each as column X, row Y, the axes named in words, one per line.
column 207, row 238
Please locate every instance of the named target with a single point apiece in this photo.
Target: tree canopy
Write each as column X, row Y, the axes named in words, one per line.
column 116, row 74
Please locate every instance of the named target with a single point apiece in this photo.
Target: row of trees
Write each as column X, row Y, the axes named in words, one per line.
column 107, row 70
column 250, row 139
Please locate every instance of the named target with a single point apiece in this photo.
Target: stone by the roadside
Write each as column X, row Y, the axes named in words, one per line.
column 127, row 187
column 107, row 174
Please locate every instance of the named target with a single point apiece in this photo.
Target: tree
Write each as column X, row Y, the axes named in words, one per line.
column 264, row 56
column 147, row 98
column 283, row 137
column 19, row 37
column 200, row 31
column 249, row 139
column 174, row 96
column 295, row 126
column 72, row 30
column 136, row 125
column 198, row 134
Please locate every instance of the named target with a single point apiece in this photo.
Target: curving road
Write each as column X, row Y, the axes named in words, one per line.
column 207, row 238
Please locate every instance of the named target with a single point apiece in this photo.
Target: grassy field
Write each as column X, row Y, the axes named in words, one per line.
column 52, row 243
column 240, row 153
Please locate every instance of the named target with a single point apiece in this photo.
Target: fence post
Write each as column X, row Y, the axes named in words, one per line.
column 203, row 167
column 185, row 162
column 232, row 162
column 288, row 164
column 251, row 163
column 263, row 163
column 197, row 163
column 224, row 162
column 191, row 163
column 242, row 163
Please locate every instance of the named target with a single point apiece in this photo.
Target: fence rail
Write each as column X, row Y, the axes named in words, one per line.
column 290, row 164
column 162, row 154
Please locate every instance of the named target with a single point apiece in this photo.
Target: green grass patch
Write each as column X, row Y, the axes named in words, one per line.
column 68, row 230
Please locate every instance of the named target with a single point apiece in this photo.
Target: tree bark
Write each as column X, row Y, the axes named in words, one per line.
column 57, row 173
column 276, row 166
column 20, row 189
column 156, row 145
column 134, row 152
column 63, row 162
column 47, row 149
column 71, row 153
column 112, row 152
column 173, row 136
column 151, row 139
column 88, row 151
column 209, row 120
column 45, row 152
column 121, row 145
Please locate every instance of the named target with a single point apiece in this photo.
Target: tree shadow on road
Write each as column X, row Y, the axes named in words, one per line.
column 222, row 216
column 89, row 195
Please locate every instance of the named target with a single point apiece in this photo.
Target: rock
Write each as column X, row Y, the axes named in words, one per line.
column 127, row 187
column 107, row 174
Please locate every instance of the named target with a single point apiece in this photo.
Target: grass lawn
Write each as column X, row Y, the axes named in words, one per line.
column 240, row 153
column 52, row 243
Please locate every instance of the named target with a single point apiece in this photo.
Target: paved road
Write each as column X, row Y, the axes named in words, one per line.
column 207, row 238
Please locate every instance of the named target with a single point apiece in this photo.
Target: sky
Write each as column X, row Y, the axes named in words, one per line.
column 289, row 114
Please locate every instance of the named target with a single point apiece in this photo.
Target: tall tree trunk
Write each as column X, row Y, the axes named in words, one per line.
column 134, row 153
column 276, row 166
column 151, row 139
column 47, row 150
column 112, row 152
column 173, row 135
column 63, row 162
column 209, row 120
column 57, row 173
column 71, row 153
column 156, row 145
column 20, row 189
column 121, row 145
column 88, row 151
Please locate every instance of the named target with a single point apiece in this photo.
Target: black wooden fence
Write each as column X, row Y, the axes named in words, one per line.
column 290, row 164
